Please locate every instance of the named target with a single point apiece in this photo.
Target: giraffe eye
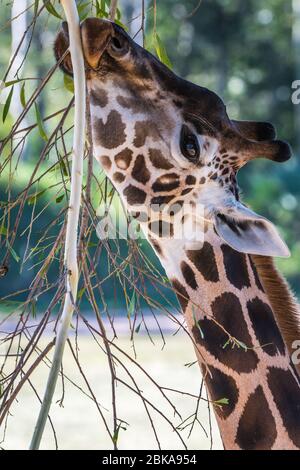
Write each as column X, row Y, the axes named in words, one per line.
column 189, row 144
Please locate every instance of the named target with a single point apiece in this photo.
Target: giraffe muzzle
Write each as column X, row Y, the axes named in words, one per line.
column 97, row 36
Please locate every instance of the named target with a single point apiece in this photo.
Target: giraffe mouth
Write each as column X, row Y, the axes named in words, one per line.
column 98, row 36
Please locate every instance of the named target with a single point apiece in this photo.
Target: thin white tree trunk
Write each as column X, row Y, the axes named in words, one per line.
column 18, row 27
column 71, row 263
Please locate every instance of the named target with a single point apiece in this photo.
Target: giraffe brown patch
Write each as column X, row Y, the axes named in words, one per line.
column 139, row 171
column 161, row 228
column 202, row 180
column 257, row 427
column 265, row 327
column 144, row 129
column 190, row 179
column 189, row 275
column 160, row 200
column 227, row 312
column 158, row 160
column 105, row 162
column 181, row 293
column 134, row 195
column 186, row 191
column 205, row 262
column 220, row 386
column 123, row 159
column 166, row 182
column 286, row 394
column 137, row 106
column 255, row 274
column 236, row 267
column 156, row 246
column 112, row 133
column 118, row 177
column 99, row 97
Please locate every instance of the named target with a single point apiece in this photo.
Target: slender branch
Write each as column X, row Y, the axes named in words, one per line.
column 113, row 9
column 70, row 258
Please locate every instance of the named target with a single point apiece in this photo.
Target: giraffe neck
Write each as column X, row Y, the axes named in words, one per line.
column 238, row 344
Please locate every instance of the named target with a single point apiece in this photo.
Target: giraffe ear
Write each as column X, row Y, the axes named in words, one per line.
column 248, row 232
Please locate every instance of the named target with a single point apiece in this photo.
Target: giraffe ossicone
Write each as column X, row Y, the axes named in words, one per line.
column 167, row 144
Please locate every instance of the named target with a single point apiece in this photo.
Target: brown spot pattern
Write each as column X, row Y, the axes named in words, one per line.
column 123, row 159
column 166, row 182
column 118, row 177
column 158, row 160
column 189, row 275
column 105, row 162
column 235, row 264
column 181, row 293
column 286, row 394
column 99, row 97
column 265, row 327
column 112, row 133
column 229, row 320
column 257, row 427
column 205, row 262
column 144, row 129
column 134, row 195
column 140, row 172
column 220, row 386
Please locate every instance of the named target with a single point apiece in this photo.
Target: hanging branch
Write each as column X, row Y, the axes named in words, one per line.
column 113, row 9
column 70, row 256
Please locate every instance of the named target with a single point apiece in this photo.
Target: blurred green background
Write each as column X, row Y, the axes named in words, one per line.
column 246, row 51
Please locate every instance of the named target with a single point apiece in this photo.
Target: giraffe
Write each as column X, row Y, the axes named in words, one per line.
column 166, row 143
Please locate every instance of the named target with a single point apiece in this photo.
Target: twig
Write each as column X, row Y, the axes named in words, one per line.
column 113, row 9
column 73, row 215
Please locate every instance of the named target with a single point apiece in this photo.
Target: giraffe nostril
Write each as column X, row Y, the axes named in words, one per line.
column 118, row 46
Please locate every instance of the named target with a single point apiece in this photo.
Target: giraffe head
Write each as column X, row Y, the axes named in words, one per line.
column 165, row 141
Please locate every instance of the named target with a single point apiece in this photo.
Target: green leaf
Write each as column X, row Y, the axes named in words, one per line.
column 81, row 13
column 7, row 104
column 40, row 123
column 51, row 9
column 80, row 293
column 131, row 306
column 33, row 308
column 63, row 167
column 161, row 51
column 32, row 199
column 3, row 230
column 197, row 322
column 222, row 401
column 69, row 83
column 22, row 95
column 59, row 199
column 36, row 5
column 116, row 435
column 118, row 22
column 12, row 251
column 138, row 328
column 241, row 345
column 12, row 82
